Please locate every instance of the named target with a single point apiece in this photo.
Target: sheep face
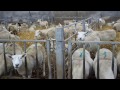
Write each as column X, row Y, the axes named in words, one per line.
column 37, row 32
column 17, row 60
column 81, row 35
column 100, row 19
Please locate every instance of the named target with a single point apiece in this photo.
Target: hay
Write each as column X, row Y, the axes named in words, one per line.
column 26, row 36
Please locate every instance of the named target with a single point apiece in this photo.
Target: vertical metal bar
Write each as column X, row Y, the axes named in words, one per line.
column 84, row 61
column 14, row 54
column 75, row 30
column 25, row 59
column 5, row 58
column 37, row 63
column 84, row 28
column 55, row 59
column 60, row 45
column 89, row 21
column 98, row 27
column 49, row 61
column 69, row 59
column 14, row 48
column 98, row 61
column 113, row 51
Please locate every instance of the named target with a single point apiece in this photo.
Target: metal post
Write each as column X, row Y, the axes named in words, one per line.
column 54, row 47
column 84, row 29
column 49, row 62
column 113, row 51
column 37, row 63
column 75, row 30
column 84, row 61
column 98, row 61
column 5, row 58
column 69, row 60
column 14, row 48
column 25, row 59
column 89, row 21
column 60, row 46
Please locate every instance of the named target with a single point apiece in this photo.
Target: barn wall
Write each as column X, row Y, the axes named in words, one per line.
column 44, row 14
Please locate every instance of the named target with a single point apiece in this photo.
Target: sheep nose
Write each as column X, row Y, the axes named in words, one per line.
column 17, row 65
column 80, row 38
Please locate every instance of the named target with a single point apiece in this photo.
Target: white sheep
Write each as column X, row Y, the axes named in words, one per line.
column 118, row 21
column 2, row 28
column 8, row 52
column 101, row 22
column 18, row 60
column 2, row 63
column 24, row 27
column 111, row 24
column 105, row 64
column 106, row 35
column 87, row 36
column 14, row 28
column 45, row 34
column 9, row 48
column 8, row 35
column 1, row 48
column 116, row 27
column 43, row 23
column 77, row 64
column 32, row 28
column 5, row 34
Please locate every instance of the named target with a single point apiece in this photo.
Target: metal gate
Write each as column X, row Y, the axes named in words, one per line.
column 60, row 52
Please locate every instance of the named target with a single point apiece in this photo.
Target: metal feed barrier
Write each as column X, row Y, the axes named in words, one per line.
column 60, row 42
column 60, row 51
column 35, row 42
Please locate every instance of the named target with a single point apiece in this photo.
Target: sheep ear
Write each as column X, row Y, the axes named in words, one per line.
column 86, row 33
column 9, row 55
column 24, row 55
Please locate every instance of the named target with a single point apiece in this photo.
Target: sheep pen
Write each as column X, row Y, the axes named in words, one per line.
column 27, row 35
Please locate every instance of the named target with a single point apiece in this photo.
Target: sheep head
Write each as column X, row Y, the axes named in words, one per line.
column 17, row 60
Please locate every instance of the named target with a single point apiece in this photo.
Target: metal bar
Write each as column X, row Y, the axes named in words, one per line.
column 70, row 37
column 113, row 51
column 69, row 60
column 6, row 40
column 49, row 61
column 37, row 63
column 84, row 28
column 84, row 61
column 98, row 61
column 5, row 58
column 14, row 48
column 25, row 59
column 60, row 45
column 75, row 31
column 100, row 42
column 14, row 54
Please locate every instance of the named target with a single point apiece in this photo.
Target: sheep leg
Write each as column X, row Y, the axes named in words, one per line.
column 44, row 67
column 101, row 27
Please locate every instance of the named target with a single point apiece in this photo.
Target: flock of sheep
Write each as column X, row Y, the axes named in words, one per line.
column 17, row 61
column 105, row 55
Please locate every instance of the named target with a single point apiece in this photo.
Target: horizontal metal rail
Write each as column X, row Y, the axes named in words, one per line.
column 70, row 37
column 6, row 40
column 97, row 42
